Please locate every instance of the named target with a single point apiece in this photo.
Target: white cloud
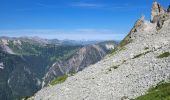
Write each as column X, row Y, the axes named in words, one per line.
column 78, row 34
column 107, row 6
column 87, row 5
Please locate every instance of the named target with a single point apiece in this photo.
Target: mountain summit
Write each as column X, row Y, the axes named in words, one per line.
column 141, row 61
column 156, row 10
column 159, row 15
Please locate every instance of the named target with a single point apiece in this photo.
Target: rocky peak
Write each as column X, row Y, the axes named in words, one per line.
column 159, row 15
column 168, row 10
column 138, row 25
column 156, row 11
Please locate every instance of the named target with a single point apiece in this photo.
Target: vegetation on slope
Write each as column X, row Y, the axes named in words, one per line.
column 122, row 44
column 163, row 55
column 59, row 80
column 128, row 39
column 160, row 92
column 139, row 55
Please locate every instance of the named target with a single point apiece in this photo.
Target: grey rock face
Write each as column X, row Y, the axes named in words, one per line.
column 168, row 10
column 159, row 15
column 156, row 11
column 139, row 25
column 1, row 65
column 4, row 47
column 132, row 76
column 161, row 20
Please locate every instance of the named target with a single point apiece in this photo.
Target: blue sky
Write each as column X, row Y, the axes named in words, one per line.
column 72, row 19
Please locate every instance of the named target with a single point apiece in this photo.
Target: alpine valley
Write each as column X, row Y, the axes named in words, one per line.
column 29, row 63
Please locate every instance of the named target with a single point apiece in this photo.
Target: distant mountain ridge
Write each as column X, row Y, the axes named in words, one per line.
column 53, row 41
column 25, row 61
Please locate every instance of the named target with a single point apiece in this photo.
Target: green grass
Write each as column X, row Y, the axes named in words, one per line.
column 25, row 98
column 160, row 92
column 125, row 42
column 59, row 80
column 121, row 45
column 116, row 50
column 139, row 55
column 163, row 55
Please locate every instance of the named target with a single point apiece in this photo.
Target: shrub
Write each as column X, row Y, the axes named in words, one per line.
column 59, row 80
column 137, row 56
column 163, row 55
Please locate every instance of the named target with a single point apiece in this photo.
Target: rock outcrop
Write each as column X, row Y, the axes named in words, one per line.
column 168, row 10
column 156, row 11
column 159, row 15
column 126, row 74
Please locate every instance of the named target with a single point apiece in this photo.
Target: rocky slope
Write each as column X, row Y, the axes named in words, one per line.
column 140, row 61
column 24, row 62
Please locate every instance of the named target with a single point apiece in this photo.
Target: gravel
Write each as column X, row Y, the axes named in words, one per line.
column 132, row 78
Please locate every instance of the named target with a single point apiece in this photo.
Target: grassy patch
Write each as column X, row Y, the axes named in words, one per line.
column 125, row 42
column 114, row 51
column 160, row 92
column 26, row 98
column 121, row 45
column 59, row 80
column 139, row 55
column 163, row 55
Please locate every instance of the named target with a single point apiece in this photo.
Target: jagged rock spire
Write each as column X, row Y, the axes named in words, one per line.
column 142, row 17
column 138, row 25
column 156, row 10
column 168, row 10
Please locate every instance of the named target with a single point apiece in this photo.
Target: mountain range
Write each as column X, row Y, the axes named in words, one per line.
column 27, row 63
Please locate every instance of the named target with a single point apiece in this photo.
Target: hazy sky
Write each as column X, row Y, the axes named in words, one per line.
column 72, row 19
